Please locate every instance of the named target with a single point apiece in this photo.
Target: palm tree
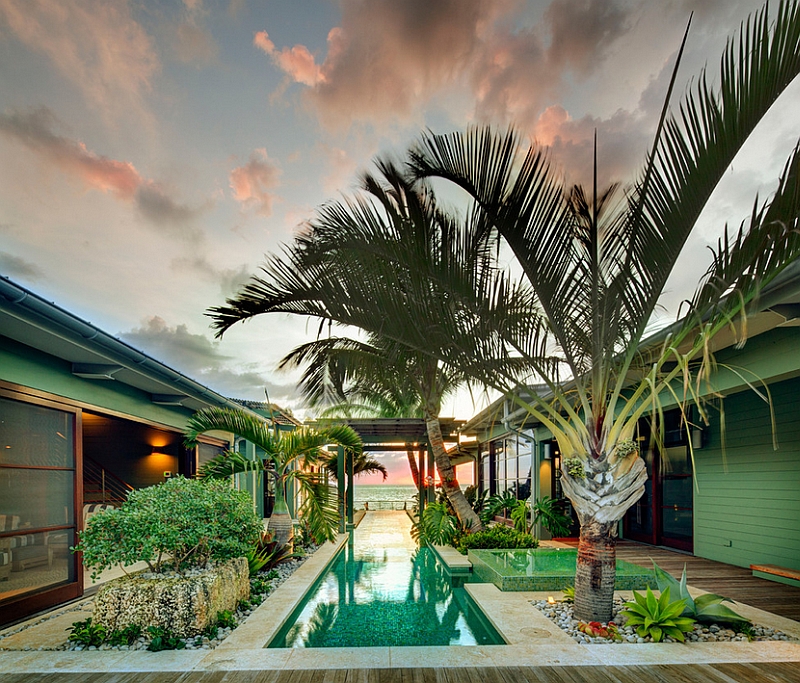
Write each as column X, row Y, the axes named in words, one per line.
column 383, row 377
column 287, row 457
column 390, row 261
column 598, row 263
column 594, row 267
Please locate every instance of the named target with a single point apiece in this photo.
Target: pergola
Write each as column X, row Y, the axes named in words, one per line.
column 391, row 434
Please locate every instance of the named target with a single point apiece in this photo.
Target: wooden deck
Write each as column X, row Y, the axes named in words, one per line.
column 733, row 582
column 763, row 672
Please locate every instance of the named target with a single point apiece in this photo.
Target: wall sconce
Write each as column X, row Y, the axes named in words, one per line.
column 697, row 437
column 546, row 454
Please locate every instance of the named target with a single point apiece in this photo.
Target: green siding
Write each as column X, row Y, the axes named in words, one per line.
column 28, row 367
column 747, row 502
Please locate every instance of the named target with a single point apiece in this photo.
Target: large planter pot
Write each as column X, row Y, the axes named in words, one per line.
column 183, row 605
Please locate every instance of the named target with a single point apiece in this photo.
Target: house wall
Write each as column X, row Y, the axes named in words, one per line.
column 747, row 500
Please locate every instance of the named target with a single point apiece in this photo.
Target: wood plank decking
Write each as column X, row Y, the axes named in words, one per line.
column 737, row 583
column 763, row 672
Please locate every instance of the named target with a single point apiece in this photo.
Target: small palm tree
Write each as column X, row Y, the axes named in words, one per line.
column 287, row 458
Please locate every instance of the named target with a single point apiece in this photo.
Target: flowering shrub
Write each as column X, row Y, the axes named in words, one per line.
column 183, row 522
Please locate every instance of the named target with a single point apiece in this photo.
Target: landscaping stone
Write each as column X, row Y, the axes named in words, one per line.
column 183, row 605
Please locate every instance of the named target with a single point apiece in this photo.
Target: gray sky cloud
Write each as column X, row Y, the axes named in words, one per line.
column 16, row 267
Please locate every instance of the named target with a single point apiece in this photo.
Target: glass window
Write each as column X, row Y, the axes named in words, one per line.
column 37, row 503
column 35, row 436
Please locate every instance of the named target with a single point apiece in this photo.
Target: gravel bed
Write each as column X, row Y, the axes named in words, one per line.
column 562, row 615
column 260, row 591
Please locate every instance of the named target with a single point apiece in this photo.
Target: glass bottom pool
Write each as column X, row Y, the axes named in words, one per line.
column 391, row 596
column 545, row 569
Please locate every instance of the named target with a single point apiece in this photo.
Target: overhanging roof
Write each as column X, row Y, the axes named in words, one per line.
column 95, row 355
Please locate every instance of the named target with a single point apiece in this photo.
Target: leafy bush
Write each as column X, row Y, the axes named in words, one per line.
column 569, row 594
column 498, row 504
column 161, row 639
column 86, row 633
column 125, row 636
column 499, row 537
column 706, row 608
column 657, row 617
column 436, row 526
column 192, row 522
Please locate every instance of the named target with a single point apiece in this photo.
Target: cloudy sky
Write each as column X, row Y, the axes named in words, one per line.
column 153, row 151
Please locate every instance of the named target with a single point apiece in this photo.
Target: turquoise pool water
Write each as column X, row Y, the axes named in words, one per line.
column 390, row 596
column 543, row 569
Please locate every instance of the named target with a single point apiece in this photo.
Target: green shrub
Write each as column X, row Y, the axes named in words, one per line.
column 161, row 639
column 125, row 636
column 499, row 537
column 86, row 633
column 191, row 521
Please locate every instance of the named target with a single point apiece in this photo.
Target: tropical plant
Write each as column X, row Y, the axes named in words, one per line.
column 568, row 594
column 597, row 264
column 336, row 378
column 179, row 524
column 520, row 516
column 499, row 504
column 391, row 262
column 266, row 553
column 436, row 526
column 657, row 617
column 549, row 512
column 707, row 608
column 593, row 265
column 499, row 537
column 287, row 457
column 476, row 498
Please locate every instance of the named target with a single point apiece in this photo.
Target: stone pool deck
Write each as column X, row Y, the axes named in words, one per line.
column 532, row 639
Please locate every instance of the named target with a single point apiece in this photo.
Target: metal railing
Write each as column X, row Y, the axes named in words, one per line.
column 102, row 486
column 385, row 505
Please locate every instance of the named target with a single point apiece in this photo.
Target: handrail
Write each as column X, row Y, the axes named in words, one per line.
column 112, row 488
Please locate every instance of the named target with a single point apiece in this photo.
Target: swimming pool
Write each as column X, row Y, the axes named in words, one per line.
column 386, row 593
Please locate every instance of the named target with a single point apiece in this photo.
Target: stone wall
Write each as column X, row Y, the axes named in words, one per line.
column 182, row 605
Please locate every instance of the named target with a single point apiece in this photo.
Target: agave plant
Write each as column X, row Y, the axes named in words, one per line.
column 657, row 617
column 707, row 608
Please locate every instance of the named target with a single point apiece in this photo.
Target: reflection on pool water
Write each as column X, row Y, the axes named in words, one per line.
column 385, row 596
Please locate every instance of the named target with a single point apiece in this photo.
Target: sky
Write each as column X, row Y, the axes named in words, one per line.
column 153, row 151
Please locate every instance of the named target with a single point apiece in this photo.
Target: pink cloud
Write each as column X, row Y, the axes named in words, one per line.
column 34, row 130
column 296, row 62
column 95, row 44
column 252, row 184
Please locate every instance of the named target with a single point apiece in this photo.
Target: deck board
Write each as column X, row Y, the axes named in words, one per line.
column 762, row 672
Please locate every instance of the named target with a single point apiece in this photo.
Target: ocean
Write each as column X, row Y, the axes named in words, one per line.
column 383, row 496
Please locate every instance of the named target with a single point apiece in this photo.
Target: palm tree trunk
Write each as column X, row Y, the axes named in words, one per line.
column 281, row 522
column 466, row 515
column 596, row 571
column 412, row 463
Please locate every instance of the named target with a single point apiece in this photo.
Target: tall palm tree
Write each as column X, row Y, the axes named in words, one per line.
column 287, row 458
column 598, row 262
column 594, row 266
column 390, row 261
column 382, row 377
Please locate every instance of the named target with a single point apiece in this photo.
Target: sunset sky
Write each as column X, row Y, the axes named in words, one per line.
column 152, row 152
